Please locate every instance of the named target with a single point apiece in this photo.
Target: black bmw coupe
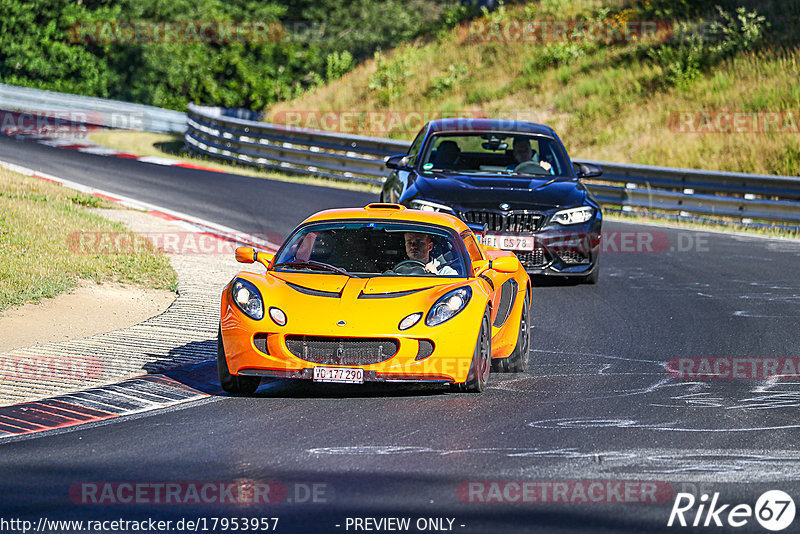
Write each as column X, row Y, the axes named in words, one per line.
column 513, row 178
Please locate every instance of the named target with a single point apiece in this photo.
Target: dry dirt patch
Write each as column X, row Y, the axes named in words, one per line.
column 88, row 309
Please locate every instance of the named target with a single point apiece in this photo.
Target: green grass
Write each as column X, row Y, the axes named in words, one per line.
column 607, row 101
column 717, row 225
column 40, row 224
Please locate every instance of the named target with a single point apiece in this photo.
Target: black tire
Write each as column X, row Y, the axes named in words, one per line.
column 480, row 366
column 517, row 362
column 592, row 278
column 235, row 384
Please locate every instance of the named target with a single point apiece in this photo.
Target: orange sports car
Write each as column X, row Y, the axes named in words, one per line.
column 381, row 293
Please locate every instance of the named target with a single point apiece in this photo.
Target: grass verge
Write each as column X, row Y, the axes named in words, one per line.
column 614, row 101
column 39, row 224
column 696, row 223
column 171, row 146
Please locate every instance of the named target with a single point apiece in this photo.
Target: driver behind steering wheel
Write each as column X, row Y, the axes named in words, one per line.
column 418, row 249
column 526, row 158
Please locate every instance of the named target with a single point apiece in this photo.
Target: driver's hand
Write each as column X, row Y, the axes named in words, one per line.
column 431, row 268
column 545, row 165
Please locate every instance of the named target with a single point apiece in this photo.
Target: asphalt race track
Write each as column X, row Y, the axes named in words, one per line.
column 596, row 405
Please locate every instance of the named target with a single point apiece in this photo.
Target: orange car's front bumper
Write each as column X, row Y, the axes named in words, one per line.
column 260, row 347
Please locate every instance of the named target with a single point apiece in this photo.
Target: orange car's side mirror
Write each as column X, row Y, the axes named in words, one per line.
column 250, row 255
column 245, row 255
column 480, row 266
column 505, row 264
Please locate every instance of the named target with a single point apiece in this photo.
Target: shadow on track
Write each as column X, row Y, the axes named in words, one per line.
column 202, row 376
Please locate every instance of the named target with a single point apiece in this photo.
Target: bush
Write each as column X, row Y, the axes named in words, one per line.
column 337, row 64
column 552, row 55
column 389, row 78
column 324, row 39
column 447, row 81
column 696, row 47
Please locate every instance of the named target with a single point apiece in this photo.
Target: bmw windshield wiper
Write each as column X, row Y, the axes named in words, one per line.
column 316, row 264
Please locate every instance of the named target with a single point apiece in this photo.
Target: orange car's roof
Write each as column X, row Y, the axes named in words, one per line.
column 393, row 212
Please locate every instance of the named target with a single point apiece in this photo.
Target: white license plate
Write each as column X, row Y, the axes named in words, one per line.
column 509, row 241
column 344, row 375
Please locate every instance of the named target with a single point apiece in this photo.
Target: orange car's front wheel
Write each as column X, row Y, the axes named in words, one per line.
column 517, row 362
column 481, row 359
column 236, row 384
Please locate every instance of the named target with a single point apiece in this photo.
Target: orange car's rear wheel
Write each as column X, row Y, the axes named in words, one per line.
column 517, row 362
column 236, row 384
column 481, row 359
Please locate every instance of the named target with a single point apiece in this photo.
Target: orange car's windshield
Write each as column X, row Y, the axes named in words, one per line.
column 373, row 249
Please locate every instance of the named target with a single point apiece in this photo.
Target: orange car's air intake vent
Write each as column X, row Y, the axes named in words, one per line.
column 330, row 350
column 314, row 292
column 375, row 206
column 391, row 295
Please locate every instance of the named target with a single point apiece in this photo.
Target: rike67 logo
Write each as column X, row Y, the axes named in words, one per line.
column 774, row 510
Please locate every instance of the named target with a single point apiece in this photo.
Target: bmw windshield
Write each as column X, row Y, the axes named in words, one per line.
column 496, row 153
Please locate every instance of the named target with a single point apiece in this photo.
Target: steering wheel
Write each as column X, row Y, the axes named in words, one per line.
column 530, row 167
column 409, row 266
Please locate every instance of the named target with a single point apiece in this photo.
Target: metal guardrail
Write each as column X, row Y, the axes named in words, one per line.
column 92, row 111
column 214, row 132
column 241, row 137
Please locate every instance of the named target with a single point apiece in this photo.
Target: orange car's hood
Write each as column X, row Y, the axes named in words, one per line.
column 378, row 285
column 328, row 283
column 403, row 284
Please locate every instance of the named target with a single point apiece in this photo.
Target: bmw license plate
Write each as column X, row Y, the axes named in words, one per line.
column 343, row 375
column 509, row 241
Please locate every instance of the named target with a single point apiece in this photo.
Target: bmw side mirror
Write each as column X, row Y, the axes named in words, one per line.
column 399, row 162
column 587, row 170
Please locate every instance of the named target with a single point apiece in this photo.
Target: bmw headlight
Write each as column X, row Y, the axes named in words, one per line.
column 574, row 215
column 247, row 298
column 427, row 205
column 448, row 306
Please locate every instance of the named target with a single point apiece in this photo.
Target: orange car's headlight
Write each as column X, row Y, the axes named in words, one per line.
column 448, row 306
column 247, row 298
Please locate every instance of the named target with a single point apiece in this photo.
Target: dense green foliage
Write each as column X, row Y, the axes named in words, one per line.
column 322, row 40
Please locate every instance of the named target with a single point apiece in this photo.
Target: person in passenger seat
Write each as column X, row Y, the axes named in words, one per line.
column 447, row 155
